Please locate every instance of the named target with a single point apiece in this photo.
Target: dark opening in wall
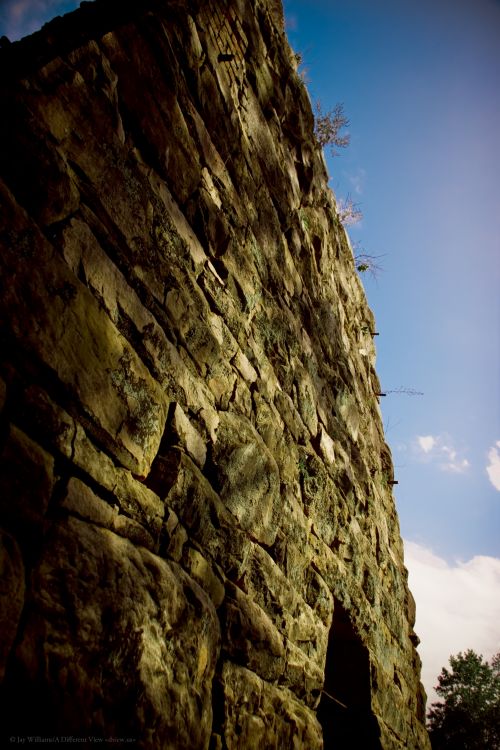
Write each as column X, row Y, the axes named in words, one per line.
column 345, row 707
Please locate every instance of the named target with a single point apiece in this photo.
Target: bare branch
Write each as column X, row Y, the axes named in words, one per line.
column 348, row 212
column 366, row 263
column 406, row 391
column 327, row 128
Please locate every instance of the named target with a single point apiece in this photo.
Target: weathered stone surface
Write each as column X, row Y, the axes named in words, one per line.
column 80, row 501
column 67, row 438
column 117, row 628
column 194, row 481
column 259, row 715
column 11, row 594
column 130, row 409
column 26, row 481
column 202, row 512
column 247, row 477
column 251, row 637
column 187, row 436
column 203, row 573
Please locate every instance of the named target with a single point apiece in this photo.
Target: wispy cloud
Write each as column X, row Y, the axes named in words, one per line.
column 493, row 468
column 291, row 21
column 357, row 180
column 439, row 449
column 458, row 607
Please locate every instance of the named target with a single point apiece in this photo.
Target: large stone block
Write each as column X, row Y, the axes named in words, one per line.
column 178, row 480
column 251, row 638
column 79, row 500
column 51, row 315
column 247, row 476
column 258, row 715
column 115, row 642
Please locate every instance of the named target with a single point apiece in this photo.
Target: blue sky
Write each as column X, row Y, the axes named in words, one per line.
column 420, row 83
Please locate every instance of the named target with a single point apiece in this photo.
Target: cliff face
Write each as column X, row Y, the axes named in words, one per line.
column 199, row 540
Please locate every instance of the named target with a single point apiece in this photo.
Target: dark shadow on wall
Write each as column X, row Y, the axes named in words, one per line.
column 345, row 709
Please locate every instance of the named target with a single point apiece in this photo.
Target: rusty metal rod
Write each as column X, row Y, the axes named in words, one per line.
column 334, row 699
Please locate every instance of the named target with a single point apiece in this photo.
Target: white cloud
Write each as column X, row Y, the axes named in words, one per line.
column 458, row 607
column 426, row 442
column 439, row 449
column 493, row 467
column 454, row 463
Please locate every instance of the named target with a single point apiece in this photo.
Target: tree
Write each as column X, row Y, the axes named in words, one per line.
column 364, row 262
column 327, row 127
column 348, row 212
column 468, row 717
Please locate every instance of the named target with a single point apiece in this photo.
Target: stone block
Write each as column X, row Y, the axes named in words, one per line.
column 266, row 583
column 128, row 645
column 87, row 259
column 11, row 594
column 182, row 432
column 244, row 367
column 327, row 446
column 174, row 536
column 302, row 675
column 259, row 715
column 203, row 573
column 65, row 436
column 114, row 391
column 134, row 498
column 79, row 500
column 47, row 420
column 26, row 482
column 251, row 638
column 247, row 476
column 30, row 160
column 201, row 511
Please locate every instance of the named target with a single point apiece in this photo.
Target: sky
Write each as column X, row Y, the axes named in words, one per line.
column 420, row 83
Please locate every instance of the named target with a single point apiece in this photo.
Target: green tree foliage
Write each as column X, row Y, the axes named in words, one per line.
column 468, row 717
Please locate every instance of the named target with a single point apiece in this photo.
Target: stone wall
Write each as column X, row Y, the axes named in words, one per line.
column 199, row 541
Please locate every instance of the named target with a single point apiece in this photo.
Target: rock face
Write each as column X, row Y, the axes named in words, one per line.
column 199, row 541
